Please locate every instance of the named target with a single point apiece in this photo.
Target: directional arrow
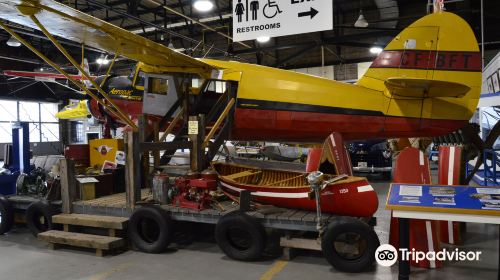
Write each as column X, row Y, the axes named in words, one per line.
column 311, row 13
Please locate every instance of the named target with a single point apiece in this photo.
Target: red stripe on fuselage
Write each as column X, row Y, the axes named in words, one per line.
column 272, row 125
column 429, row 60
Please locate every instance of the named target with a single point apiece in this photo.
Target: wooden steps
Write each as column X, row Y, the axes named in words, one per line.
column 98, row 242
column 95, row 221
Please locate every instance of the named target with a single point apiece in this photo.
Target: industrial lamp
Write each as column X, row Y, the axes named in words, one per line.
column 376, row 50
column 361, row 22
column 13, row 42
column 102, row 60
column 203, row 5
column 263, row 39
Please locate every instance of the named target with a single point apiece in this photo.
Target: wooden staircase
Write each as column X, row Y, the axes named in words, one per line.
column 98, row 242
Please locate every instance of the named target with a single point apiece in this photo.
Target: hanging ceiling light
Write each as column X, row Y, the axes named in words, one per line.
column 361, row 22
column 102, row 60
column 13, row 42
column 203, row 5
column 376, row 50
column 263, row 39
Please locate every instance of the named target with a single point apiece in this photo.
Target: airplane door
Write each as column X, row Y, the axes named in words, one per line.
column 160, row 94
column 418, row 48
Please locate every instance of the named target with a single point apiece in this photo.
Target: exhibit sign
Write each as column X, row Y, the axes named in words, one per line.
column 455, row 199
column 271, row 18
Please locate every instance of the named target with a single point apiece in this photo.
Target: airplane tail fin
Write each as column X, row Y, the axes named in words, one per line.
column 435, row 57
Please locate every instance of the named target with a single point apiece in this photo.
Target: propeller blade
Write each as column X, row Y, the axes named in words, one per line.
column 482, row 145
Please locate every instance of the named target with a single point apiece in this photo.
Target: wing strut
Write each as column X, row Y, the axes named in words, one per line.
column 120, row 114
column 109, row 70
column 113, row 108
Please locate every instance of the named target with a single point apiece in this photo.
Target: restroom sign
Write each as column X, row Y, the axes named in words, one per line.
column 273, row 18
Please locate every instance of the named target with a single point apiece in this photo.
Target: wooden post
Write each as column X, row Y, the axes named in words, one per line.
column 201, row 133
column 156, row 139
column 245, row 198
column 132, row 169
column 197, row 153
column 144, row 156
column 68, row 185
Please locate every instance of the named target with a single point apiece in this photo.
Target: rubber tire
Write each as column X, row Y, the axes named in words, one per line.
column 37, row 210
column 245, row 223
column 7, row 213
column 136, row 231
column 350, row 225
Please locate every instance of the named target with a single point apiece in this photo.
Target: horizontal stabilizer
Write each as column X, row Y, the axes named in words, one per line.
column 423, row 88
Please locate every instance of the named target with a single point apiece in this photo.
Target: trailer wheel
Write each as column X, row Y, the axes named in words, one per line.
column 240, row 237
column 349, row 244
column 150, row 229
column 39, row 217
column 6, row 215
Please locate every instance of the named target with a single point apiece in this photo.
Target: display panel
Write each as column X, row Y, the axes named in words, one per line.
column 444, row 198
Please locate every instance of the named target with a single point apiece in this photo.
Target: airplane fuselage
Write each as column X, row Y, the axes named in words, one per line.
column 280, row 105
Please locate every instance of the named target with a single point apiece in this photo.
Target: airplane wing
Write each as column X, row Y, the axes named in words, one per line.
column 65, row 22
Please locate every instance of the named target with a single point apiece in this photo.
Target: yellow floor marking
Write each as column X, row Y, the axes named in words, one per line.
column 106, row 274
column 275, row 269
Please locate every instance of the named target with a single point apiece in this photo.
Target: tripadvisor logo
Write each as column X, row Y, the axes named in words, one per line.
column 387, row 255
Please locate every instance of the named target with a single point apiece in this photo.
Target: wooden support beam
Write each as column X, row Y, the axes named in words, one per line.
column 219, row 122
column 301, row 243
column 68, row 184
column 132, row 169
column 245, row 198
column 197, row 153
column 144, row 157
column 156, row 138
column 172, row 124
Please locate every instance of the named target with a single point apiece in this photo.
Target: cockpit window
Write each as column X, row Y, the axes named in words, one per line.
column 140, row 79
column 217, row 86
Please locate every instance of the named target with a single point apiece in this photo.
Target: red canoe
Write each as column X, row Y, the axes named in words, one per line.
column 353, row 196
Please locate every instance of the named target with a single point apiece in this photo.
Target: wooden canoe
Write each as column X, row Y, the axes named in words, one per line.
column 353, row 196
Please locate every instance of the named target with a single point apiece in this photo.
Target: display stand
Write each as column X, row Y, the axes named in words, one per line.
column 441, row 202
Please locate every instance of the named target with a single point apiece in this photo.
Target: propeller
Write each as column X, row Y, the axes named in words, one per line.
column 471, row 131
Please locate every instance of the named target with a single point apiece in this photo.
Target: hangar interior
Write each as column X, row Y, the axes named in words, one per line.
column 146, row 133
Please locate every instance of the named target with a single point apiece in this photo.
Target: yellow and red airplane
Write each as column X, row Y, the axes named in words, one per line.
column 425, row 83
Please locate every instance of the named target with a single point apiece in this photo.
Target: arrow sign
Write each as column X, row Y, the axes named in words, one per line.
column 279, row 18
column 311, row 13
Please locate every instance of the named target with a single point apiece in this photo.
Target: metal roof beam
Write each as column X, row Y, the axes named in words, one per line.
column 349, row 40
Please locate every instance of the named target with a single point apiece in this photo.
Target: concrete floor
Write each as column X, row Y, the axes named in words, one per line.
column 24, row 257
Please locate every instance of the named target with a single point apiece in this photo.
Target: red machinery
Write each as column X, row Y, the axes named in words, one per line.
column 194, row 193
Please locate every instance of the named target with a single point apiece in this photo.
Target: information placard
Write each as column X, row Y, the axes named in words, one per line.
column 443, row 198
